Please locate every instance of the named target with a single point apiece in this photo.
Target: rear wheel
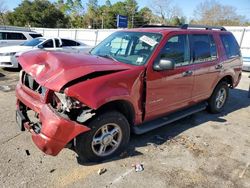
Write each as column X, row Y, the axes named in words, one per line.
column 109, row 135
column 219, row 98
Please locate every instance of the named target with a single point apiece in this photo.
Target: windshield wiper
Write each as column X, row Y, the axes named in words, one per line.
column 107, row 56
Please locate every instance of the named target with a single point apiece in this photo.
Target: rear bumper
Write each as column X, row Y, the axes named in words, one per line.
column 56, row 131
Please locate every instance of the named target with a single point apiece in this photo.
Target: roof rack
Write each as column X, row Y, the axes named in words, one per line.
column 186, row 26
column 158, row 25
column 14, row 28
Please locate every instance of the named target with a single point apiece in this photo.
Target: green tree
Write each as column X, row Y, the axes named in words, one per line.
column 2, row 12
column 92, row 17
column 37, row 13
column 73, row 9
column 144, row 16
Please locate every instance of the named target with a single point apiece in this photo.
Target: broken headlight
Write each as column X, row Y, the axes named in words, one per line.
column 66, row 104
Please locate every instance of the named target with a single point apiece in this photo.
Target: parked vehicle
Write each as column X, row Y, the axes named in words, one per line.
column 10, row 36
column 246, row 64
column 8, row 55
column 135, row 80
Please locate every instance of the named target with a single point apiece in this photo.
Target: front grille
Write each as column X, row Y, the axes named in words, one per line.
column 29, row 82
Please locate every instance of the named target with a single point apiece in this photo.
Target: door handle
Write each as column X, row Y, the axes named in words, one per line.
column 219, row 66
column 187, row 73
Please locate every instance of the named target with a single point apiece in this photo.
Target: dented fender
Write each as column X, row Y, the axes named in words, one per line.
column 124, row 85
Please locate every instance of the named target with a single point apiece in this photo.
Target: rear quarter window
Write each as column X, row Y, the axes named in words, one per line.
column 66, row 42
column 35, row 35
column 230, row 45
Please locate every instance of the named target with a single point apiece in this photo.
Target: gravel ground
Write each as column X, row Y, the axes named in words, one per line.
column 202, row 150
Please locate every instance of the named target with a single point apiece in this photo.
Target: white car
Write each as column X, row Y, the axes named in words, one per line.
column 246, row 64
column 10, row 35
column 8, row 55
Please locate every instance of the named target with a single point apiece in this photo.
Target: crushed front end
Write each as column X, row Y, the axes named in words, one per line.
column 56, row 119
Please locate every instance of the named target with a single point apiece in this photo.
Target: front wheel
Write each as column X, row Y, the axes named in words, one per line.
column 219, row 98
column 109, row 135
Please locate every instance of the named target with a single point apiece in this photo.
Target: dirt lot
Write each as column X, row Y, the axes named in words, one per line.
column 202, row 150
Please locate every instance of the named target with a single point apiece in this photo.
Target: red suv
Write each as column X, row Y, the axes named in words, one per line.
column 135, row 80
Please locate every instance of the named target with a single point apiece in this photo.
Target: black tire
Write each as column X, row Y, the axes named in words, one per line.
column 83, row 145
column 212, row 102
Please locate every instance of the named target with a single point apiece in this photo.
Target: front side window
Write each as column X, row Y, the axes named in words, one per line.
column 48, row 44
column 177, row 50
column 230, row 45
column 15, row 36
column 204, row 48
column 133, row 48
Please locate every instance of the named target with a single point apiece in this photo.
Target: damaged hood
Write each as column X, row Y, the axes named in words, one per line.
column 55, row 69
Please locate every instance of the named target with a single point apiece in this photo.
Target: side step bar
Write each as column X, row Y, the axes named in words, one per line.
column 150, row 125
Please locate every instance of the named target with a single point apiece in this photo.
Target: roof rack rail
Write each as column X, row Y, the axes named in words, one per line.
column 158, row 25
column 14, row 28
column 186, row 26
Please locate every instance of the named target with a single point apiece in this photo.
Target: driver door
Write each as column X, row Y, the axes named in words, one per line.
column 170, row 90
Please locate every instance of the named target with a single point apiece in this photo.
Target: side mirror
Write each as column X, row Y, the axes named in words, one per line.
column 163, row 64
column 40, row 46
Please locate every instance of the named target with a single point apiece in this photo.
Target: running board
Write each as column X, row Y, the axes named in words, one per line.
column 150, row 125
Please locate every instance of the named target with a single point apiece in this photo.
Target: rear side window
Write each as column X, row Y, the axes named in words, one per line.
column 35, row 35
column 231, row 46
column 177, row 50
column 15, row 36
column 204, row 48
column 69, row 43
column 2, row 36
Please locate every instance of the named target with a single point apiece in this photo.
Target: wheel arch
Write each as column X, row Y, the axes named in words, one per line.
column 123, row 106
column 229, row 79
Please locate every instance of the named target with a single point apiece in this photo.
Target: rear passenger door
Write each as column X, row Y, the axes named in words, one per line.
column 206, row 69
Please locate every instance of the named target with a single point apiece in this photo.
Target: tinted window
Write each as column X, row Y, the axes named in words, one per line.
column 2, row 36
column 57, row 43
column 204, row 48
column 35, row 35
column 177, row 50
column 48, row 44
column 231, row 46
column 69, row 43
column 15, row 36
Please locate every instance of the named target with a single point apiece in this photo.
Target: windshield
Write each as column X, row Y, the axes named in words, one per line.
column 133, row 48
column 33, row 42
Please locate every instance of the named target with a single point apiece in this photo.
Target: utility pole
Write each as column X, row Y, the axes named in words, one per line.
column 132, row 25
column 103, row 20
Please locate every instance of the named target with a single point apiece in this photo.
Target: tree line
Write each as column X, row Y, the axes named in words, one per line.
column 75, row 14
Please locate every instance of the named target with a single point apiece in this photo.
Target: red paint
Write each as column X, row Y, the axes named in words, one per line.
column 165, row 91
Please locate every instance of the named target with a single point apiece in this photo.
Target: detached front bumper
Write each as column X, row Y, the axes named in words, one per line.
column 55, row 132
